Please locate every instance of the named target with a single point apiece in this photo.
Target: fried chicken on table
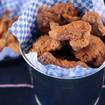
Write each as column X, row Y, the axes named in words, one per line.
column 78, row 32
column 48, row 58
column 93, row 54
column 95, row 20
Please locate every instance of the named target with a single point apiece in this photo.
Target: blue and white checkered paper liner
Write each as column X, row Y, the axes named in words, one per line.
column 26, row 25
column 16, row 7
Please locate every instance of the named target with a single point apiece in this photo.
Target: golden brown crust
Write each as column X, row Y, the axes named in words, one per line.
column 6, row 38
column 45, row 44
column 64, row 8
column 46, row 15
column 96, row 21
column 2, row 44
column 78, row 32
column 69, row 18
column 94, row 53
column 48, row 58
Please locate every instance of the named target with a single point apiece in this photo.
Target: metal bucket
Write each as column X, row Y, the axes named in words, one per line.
column 77, row 91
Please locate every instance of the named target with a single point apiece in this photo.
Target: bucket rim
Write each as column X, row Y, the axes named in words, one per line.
column 72, row 78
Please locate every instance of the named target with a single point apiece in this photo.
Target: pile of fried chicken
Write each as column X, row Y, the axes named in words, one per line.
column 68, row 40
column 6, row 38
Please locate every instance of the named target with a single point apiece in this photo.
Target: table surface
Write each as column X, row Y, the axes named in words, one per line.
column 22, row 95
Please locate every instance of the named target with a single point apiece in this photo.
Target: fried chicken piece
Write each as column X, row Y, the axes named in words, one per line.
column 6, row 22
column 93, row 54
column 46, row 15
column 95, row 20
column 3, row 27
column 64, row 8
column 43, row 18
column 78, row 32
column 48, row 58
column 72, row 64
column 10, row 38
column 6, row 38
column 69, row 18
column 2, row 44
column 14, row 47
column 45, row 44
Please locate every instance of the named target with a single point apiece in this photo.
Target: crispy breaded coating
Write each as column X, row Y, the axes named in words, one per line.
column 46, row 15
column 78, row 32
column 64, row 8
column 3, row 27
column 11, row 38
column 6, row 38
column 95, row 20
column 44, row 44
column 4, row 23
column 69, row 18
column 93, row 54
column 48, row 58
column 14, row 47
column 2, row 44
column 72, row 64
